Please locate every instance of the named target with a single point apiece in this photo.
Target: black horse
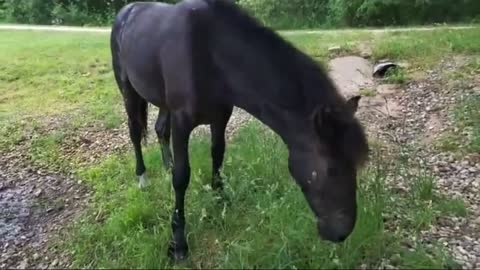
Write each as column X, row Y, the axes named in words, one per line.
column 197, row 59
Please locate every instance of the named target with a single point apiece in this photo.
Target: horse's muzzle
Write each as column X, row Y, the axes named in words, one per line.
column 335, row 229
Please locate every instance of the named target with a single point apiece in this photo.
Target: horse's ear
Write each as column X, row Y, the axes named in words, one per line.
column 352, row 104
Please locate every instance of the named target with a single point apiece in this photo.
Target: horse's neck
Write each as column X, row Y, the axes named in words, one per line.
column 287, row 124
column 265, row 85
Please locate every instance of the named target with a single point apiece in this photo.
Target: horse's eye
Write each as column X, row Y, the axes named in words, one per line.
column 332, row 171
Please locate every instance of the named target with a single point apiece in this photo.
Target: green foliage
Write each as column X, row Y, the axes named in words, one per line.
column 280, row 14
column 28, row 11
column 354, row 13
column 288, row 13
column 70, row 12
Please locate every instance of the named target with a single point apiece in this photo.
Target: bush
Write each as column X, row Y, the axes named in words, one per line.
column 356, row 13
column 288, row 13
column 70, row 15
column 278, row 14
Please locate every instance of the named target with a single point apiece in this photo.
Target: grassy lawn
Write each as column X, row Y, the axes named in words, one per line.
column 54, row 75
column 67, row 77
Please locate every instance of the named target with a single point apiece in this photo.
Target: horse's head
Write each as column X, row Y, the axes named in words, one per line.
column 325, row 165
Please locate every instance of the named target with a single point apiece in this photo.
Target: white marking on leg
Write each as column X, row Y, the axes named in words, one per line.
column 142, row 181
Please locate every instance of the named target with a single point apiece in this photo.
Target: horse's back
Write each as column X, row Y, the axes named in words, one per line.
column 150, row 36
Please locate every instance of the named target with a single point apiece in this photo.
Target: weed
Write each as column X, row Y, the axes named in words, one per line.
column 368, row 92
column 466, row 139
column 396, row 75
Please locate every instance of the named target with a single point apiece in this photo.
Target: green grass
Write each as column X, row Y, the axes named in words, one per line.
column 368, row 92
column 396, row 75
column 55, row 75
column 267, row 225
column 419, row 48
column 45, row 149
column 466, row 139
column 427, row 47
column 467, row 117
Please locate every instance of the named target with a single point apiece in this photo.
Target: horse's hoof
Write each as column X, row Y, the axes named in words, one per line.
column 217, row 182
column 217, row 185
column 142, row 181
column 177, row 254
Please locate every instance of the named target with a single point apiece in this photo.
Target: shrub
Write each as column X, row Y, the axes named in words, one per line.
column 278, row 14
column 288, row 13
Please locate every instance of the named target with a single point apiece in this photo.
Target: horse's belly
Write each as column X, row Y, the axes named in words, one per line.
column 151, row 90
column 145, row 75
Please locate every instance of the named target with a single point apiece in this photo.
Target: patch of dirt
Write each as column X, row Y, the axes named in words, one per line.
column 381, row 105
column 34, row 207
column 91, row 144
column 434, row 128
column 351, row 73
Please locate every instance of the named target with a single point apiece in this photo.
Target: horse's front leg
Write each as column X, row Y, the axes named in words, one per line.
column 218, row 146
column 181, row 130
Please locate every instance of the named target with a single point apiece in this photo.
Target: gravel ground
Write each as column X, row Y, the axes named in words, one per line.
column 35, row 205
column 421, row 117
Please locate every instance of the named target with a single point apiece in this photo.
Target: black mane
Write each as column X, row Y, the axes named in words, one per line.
column 294, row 67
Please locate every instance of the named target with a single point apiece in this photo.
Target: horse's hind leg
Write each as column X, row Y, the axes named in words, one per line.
column 181, row 128
column 136, row 108
column 163, row 129
column 218, row 146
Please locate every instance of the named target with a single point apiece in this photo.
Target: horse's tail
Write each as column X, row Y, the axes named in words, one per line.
column 143, row 120
column 137, row 110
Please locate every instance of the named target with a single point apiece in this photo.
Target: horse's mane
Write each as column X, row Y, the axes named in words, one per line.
column 308, row 87
column 312, row 79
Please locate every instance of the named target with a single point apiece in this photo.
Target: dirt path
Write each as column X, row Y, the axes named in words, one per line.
column 289, row 32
